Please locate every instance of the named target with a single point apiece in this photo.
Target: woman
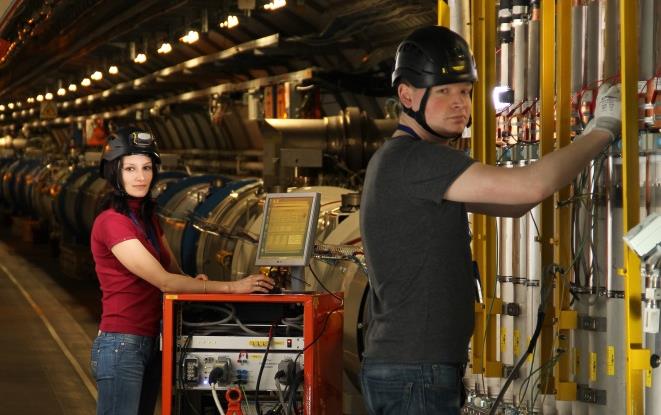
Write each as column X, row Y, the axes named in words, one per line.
column 135, row 266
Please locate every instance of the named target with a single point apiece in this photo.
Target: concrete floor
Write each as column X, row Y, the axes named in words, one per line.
column 47, row 323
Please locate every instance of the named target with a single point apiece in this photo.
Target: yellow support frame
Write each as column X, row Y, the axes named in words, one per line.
column 443, row 13
column 566, row 389
column 638, row 358
column 483, row 32
column 547, row 132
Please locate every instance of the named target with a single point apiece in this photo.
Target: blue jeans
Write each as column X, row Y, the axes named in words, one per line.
column 412, row 388
column 127, row 369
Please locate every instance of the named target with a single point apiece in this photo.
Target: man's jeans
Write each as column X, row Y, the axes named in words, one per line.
column 127, row 369
column 411, row 388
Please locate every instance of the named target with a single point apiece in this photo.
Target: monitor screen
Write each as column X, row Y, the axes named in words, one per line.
column 288, row 229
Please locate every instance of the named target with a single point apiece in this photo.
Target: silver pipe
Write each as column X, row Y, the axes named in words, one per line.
column 457, row 19
column 609, row 50
column 647, row 67
column 614, row 282
column 592, row 43
column 520, row 25
column 533, row 53
column 578, row 36
column 216, row 152
column 505, row 33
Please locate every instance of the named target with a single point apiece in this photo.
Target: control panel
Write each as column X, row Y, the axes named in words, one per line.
column 252, row 353
column 236, row 360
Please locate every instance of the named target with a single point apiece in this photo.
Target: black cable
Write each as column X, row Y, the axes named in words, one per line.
column 296, row 382
column 323, row 328
column 261, row 367
column 337, row 297
column 522, row 359
column 551, row 270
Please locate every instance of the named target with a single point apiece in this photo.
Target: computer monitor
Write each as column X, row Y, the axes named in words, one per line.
column 288, row 229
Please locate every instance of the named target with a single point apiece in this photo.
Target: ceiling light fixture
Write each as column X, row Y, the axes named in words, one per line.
column 61, row 91
column 86, row 82
column 40, row 98
column 73, row 87
column 166, row 47
column 97, row 76
column 275, row 4
column 113, row 70
column 48, row 96
column 140, row 58
column 10, row 105
column 230, row 22
column 191, row 37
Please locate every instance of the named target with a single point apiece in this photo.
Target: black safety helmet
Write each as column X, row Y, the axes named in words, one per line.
column 124, row 142
column 433, row 55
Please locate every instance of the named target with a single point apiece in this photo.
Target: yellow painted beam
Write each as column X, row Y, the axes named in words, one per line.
column 547, row 133
column 637, row 357
column 443, row 13
column 483, row 32
column 494, row 306
column 562, row 255
column 568, row 320
column 566, row 391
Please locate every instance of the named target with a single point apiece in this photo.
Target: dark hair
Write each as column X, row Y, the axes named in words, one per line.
column 117, row 199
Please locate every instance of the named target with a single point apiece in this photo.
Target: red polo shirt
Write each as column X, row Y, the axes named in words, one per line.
column 130, row 304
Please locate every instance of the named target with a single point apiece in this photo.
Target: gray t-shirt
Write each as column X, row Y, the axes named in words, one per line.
column 417, row 247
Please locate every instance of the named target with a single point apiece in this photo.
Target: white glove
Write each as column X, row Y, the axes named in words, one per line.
column 607, row 112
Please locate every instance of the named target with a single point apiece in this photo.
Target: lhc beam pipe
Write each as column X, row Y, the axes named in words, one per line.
column 66, row 202
column 351, row 134
column 224, row 225
column 175, row 205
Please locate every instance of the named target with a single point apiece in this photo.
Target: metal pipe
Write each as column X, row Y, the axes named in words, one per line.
column 534, row 274
column 458, row 18
column 520, row 26
column 609, row 51
column 647, row 19
column 578, row 36
column 533, row 52
column 592, row 44
column 506, row 39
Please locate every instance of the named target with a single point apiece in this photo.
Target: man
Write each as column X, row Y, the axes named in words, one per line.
column 415, row 231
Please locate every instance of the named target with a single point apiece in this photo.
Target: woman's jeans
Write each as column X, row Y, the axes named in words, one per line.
column 127, row 369
column 412, row 388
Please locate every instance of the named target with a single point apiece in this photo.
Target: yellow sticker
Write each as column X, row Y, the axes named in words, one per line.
column 529, row 359
column 593, row 366
column 503, row 338
column 610, row 363
column 517, row 341
column 648, row 378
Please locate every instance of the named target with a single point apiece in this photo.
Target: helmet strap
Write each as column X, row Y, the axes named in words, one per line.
column 419, row 117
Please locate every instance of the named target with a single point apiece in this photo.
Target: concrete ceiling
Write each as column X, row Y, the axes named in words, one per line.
column 58, row 42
